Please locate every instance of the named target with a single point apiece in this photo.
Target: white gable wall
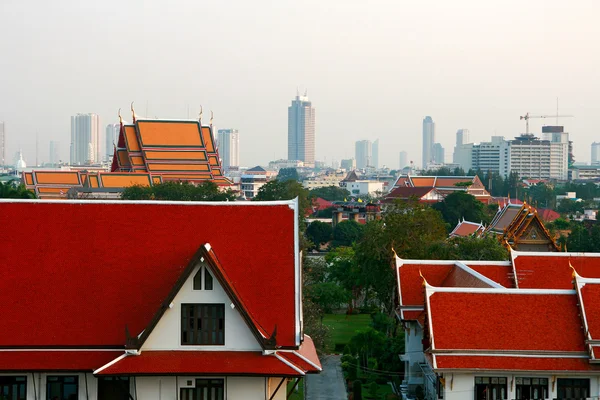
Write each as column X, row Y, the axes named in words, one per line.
column 167, row 333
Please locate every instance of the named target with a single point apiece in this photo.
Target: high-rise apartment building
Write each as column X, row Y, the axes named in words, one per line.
column 301, row 130
column 462, row 137
column 375, row 154
column 228, row 142
column 110, row 140
column 595, row 153
column 533, row 158
column 438, row 153
column 403, row 159
column 2, row 145
column 85, row 139
column 428, row 140
column 348, row 165
column 54, row 155
column 363, row 153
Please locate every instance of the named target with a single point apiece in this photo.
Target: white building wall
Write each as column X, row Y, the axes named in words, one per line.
column 460, row 386
column 167, row 333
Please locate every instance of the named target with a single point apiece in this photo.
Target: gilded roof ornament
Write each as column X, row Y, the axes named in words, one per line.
column 200, row 116
column 211, row 118
column 132, row 112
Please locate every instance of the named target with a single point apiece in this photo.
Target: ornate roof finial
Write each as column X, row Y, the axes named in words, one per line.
column 120, row 117
column 200, row 115
column 132, row 112
column 211, row 118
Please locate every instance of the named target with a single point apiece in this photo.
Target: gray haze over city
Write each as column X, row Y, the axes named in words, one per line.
column 372, row 69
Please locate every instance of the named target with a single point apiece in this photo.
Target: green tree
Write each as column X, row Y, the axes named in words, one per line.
column 459, row 205
column 344, row 271
column 178, row 191
column 568, row 206
column 330, row 193
column 288, row 190
column 327, row 295
column 408, row 228
column 14, row 190
column 579, row 239
column 469, row 248
column 346, row 233
column 286, row 174
column 319, row 232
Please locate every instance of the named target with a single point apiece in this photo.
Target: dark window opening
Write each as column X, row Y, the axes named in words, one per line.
column 198, row 280
column 490, row 388
column 62, row 387
column 531, row 388
column 206, row 389
column 208, row 280
column 203, row 324
column 13, row 387
column 113, row 388
column 573, row 389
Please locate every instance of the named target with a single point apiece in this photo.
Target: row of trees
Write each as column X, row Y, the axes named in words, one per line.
column 15, row 190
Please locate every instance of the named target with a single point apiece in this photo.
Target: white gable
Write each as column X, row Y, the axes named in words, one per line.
column 167, row 333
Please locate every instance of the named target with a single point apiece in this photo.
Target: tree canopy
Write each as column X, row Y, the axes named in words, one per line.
column 286, row 174
column 15, row 190
column 178, row 191
column 459, row 205
column 330, row 193
column 346, row 233
column 319, row 232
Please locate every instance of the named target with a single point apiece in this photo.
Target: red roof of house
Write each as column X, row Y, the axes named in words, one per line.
column 492, row 319
column 201, row 362
column 466, row 228
column 507, row 363
column 321, row 204
column 548, row 215
column 503, row 274
column 403, row 192
column 535, row 270
column 48, row 360
column 411, row 288
column 589, row 292
column 82, row 273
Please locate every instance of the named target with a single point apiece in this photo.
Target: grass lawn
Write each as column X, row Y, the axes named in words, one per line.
column 342, row 327
column 299, row 394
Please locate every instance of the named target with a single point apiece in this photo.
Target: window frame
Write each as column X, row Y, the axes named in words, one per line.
column 571, row 386
column 191, row 393
column 61, row 380
column 203, row 279
column 9, row 381
column 490, row 384
column 199, row 317
column 528, row 382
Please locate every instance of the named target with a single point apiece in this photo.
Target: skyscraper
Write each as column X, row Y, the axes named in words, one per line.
column 363, row 153
column 54, row 158
column 85, row 139
column 428, row 140
column 375, row 154
column 301, row 130
column 403, row 159
column 595, row 153
column 438, row 153
column 2, row 145
column 228, row 142
column 110, row 140
column 462, row 137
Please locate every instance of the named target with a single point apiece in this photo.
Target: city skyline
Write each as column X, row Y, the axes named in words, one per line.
column 301, row 130
column 228, row 143
column 486, row 92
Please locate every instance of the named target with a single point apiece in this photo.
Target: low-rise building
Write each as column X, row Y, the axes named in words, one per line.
column 356, row 186
column 151, row 301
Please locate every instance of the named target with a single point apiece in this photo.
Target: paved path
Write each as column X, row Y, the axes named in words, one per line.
column 329, row 384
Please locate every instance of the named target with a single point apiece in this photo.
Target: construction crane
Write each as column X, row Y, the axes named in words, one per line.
column 526, row 117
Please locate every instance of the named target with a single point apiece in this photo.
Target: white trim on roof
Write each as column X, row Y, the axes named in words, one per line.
column 290, row 203
column 451, row 262
column 501, row 290
column 289, row 364
column 399, row 263
column 513, row 256
column 509, row 353
column 479, row 276
column 294, row 205
column 552, row 254
column 428, row 293
column 116, row 360
column 579, row 283
column 59, row 350
column 307, row 360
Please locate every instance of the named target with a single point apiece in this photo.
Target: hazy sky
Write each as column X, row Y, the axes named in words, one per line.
column 373, row 69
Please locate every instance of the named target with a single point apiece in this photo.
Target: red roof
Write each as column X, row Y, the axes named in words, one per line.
column 200, row 362
column 466, row 228
column 496, row 319
column 554, row 271
column 412, row 292
column 321, row 204
column 78, row 360
column 548, row 215
column 403, row 192
column 507, row 363
column 503, row 274
column 108, row 266
column 590, row 298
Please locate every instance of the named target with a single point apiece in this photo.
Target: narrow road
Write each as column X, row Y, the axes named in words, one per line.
column 329, row 384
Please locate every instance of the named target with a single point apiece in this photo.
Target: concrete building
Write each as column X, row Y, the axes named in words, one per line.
column 403, row 159
column 595, row 153
column 2, row 145
column 110, row 140
column 483, row 156
column 438, row 153
column 85, row 139
column 301, row 130
column 325, row 180
column 375, row 154
column 228, row 143
column 363, row 153
column 585, row 172
column 348, row 165
column 54, row 154
column 533, row 158
column 462, row 137
column 253, row 179
column 428, row 140
column 278, row 164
